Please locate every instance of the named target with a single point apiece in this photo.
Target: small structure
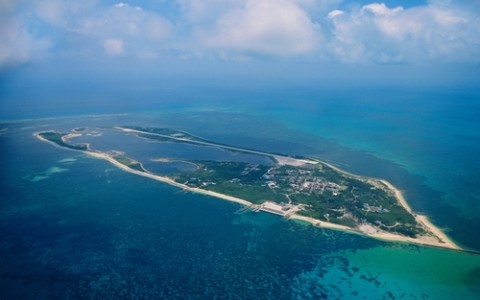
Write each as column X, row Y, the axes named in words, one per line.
column 281, row 209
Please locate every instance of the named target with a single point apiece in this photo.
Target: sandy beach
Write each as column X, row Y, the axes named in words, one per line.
column 439, row 239
column 168, row 180
column 65, row 138
column 435, row 238
column 319, row 223
column 368, row 230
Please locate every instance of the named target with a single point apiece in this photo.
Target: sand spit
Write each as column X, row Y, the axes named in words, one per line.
column 435, row 238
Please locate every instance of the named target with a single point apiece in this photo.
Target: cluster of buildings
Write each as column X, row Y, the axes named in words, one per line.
column 291, row 180
column 249, row 168
column 301, row 180
column 377, row 209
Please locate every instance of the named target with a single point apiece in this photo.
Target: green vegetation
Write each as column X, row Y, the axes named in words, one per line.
column 57, row 138
column 329, row 195
column 233, row 178
column 325, row 193
column 132, row 164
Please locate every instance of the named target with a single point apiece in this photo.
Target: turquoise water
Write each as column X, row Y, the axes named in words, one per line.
column 425, row 143
column 77, row 227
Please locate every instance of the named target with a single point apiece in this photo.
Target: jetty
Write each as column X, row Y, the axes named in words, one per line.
column 280, row 209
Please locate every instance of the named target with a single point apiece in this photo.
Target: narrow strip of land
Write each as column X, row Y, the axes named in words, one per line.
column 281, row 159
column 435, row 236
column 438, row 237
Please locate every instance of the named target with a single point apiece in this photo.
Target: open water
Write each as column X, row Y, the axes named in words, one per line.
column 74, row 227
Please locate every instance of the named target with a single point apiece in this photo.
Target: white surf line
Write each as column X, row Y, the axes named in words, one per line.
column 444, row 241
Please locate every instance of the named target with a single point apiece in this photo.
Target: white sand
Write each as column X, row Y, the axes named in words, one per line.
column 440, row 238
column 436, row 239
column 65, row 138
column 168, row 180
column 290, row 161
column 321, row 224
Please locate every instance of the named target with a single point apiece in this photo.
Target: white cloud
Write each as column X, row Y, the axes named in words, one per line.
column 17, row 44
column 13, row 44
column 62, row 14
column 376, row 32
column 310, row 30
column 113, row 46
column 335, row 13
column 438, row 31
column 120, row 5
column 85, row 26
column 380, row 9
column 199, row 12
column 140, row 31
column 264, row 27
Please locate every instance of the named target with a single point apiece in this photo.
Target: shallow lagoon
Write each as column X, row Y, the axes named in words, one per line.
column 96, row 231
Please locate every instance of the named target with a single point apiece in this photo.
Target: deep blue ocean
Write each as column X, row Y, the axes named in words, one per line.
column 74, row 227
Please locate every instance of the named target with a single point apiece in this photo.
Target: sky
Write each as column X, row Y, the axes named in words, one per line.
column 73, row 44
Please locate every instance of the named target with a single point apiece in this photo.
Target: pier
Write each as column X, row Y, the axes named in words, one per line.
column 281, row 209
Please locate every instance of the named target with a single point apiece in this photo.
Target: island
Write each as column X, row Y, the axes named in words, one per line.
column 293, row 187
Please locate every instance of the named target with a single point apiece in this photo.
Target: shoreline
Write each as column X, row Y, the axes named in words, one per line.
column 439, row 238
column 448, row 244
column 163, row 179
column 422, row 219
column 168, row 180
